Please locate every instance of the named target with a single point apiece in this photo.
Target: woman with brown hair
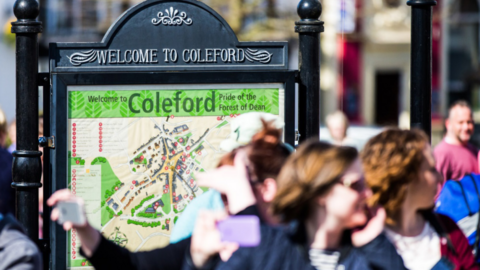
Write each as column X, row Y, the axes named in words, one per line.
column 400, row 170
column 322, row 196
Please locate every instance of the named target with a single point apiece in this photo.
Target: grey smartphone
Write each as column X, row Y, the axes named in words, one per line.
column 70, row 211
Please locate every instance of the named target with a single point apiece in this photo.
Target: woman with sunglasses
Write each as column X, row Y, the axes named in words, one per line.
column 400, row 170
column 322, row 197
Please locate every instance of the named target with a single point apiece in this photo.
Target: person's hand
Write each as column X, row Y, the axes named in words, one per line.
column 89, row 237
column 206, row 239
column 232, row 181
column 65, row 195
column 372, row 229
column 227, row 250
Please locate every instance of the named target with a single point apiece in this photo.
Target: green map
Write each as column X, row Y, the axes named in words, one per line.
column 133, row 155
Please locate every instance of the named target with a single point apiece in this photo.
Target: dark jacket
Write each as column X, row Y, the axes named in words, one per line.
column 17, row 251
column 110, row 256
column 282, row 249
column 7, row 193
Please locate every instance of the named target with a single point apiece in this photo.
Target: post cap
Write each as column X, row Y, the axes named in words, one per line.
column 309, row 10
column 420, row 3
column 26, row 12
column 26, row 9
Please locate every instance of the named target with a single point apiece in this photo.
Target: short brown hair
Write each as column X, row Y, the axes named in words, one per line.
column 309, row 173
column 265, row 152
column 391, row 161
column 458, row 103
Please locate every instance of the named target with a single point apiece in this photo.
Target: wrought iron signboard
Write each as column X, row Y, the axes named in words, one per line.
column 177, row 35
column 131, row 134
column 151, row 56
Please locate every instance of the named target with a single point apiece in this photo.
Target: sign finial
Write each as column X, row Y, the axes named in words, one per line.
column 26, row 9
column 26, row 12
column 309, row 10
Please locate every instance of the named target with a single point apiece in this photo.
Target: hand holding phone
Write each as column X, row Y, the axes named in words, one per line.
column 71, row 212
column 242, row 230
column 68, row 210
column 217, row 233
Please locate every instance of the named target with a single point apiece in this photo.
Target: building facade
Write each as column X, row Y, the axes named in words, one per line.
column 371, row 62
column 365, row 47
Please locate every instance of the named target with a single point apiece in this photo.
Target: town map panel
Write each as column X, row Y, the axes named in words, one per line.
column 133, row 154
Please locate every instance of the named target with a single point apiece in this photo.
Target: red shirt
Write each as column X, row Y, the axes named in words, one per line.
column 455, row 161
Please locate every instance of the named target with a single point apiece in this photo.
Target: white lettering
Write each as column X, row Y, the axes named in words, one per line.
column 126, row 52
column 231, row 55
column 200, row 60
column 165, row 51
column 216, row 54
column 173, row 55
column 208, row 53
column 153, row 54
column 238, row 55
column 102, row 57
column 186, row 59
column 120, row 57
column 111, row 55
column 224, row 53
column 144, row 57
column 135, row 56
column 194, row 58
column 150, row 56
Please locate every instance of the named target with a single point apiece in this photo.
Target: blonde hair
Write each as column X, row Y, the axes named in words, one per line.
column 307, row 174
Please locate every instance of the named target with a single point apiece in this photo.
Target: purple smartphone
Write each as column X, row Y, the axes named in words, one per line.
column 243, row 230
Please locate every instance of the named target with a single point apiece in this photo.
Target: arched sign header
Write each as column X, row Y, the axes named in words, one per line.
column 169, row 35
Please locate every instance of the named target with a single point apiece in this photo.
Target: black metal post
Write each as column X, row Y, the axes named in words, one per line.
column 309, row 28
column 27, row 166
column 421, row 65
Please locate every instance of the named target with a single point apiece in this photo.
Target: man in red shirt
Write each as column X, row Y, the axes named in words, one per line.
column 455, row 156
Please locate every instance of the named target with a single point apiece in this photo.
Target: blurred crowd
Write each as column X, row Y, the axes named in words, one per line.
column 320, row 206
column 17, row 251
column 392, row 203
column 8, row 144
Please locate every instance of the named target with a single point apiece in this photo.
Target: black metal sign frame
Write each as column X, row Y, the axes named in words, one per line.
column 59, row 118
column 136, row 51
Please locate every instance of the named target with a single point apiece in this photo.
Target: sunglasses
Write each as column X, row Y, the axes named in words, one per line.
column 359, row 185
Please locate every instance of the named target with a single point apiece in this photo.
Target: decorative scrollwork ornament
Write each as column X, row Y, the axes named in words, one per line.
column 79, row 58
column 172, row 18
column 262, row 56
